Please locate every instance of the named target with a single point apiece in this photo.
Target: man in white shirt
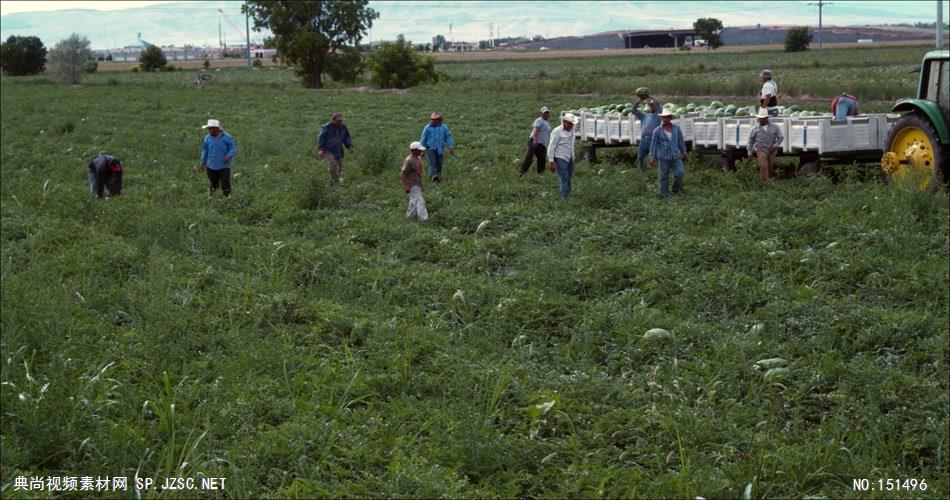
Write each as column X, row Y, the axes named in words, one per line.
column 561, row 152
column 768, row 96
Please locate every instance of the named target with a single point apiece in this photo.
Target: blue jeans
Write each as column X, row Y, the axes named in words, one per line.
column 664, row 175
column 435, row 162
column 565, row 170
column 846, row 107
column 643, row 150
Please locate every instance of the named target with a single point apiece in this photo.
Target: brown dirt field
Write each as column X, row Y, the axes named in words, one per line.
column 193, row 64
column 500, row 55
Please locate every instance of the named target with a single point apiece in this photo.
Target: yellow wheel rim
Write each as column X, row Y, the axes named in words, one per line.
column 910, row 158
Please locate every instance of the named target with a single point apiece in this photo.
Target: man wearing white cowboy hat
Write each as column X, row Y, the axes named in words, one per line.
column 668, row 148
column 538, row 142
column 561, row 152
column 217, row 153
column 437, row 139
column 411, row 176
column 765, row 139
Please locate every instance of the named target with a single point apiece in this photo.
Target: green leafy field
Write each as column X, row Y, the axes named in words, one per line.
column 305, row 341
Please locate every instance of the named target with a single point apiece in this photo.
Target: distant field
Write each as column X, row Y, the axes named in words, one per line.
column 302, row 341
column 547, row 54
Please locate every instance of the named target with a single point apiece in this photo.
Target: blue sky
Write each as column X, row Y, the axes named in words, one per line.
column 197, row 22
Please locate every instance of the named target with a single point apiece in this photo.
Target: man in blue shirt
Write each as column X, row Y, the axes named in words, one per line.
column 649, row 121
column 437, row 139
column 669, row 149
column 333, row 137
column 217, row 151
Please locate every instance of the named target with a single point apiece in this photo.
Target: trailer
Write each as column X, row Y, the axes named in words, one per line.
column 814, row 140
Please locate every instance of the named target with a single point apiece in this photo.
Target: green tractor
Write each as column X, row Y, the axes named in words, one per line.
column 918, row 145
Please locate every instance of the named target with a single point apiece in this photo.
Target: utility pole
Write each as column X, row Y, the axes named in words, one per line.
column 939, row 25
column 820, row 4
column 247, row 25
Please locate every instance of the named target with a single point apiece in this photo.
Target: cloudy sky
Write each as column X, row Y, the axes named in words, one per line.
column 419, row 21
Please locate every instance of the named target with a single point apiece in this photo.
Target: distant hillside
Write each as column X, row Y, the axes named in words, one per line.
column 743, row 35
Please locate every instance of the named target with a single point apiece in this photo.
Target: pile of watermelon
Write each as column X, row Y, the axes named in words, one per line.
column 715, row 109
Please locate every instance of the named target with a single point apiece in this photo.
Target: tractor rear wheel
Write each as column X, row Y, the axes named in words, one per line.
column 913, row 153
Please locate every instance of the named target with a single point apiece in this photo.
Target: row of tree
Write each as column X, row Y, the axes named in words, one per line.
column 315, row 37
column 68, row 60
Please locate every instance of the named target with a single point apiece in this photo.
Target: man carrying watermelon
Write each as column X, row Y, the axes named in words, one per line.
column 649, row 121
column 768, row 96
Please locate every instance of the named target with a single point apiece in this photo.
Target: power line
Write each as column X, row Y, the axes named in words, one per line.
column 820, row 5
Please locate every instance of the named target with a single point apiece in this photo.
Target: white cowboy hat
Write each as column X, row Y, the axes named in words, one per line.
column 763, row 113
column 666, row 112
column 417, row 146
column 569, row 117
column 544, row 109
column 212, row 123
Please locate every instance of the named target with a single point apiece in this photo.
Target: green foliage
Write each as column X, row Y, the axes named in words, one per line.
column 206, row 64
column 90, row 67
column 152, row 58
column 315, row 36
column 22, row 55
column 331, row 348
column 398, row 65
column 68, row 59
column 708, row 28
column 797, row 39
column 258, row 63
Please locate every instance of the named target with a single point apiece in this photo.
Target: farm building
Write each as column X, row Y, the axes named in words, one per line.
column 659, row 38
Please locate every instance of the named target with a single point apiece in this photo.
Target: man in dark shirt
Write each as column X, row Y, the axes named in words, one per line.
column 333, row 137
column 105, row 171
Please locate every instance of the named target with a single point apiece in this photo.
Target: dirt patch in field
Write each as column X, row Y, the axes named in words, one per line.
column 501, row 55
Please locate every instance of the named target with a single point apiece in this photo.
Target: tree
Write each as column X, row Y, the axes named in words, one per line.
column 22, row 55
column 316, row 36
column 438, row 43
column 797, row 39
column 152, row 58
column 708, row 28
column 398, row 65
column 67, row 60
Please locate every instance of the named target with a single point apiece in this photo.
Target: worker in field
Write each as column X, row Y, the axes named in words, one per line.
column 217, row 155
column 561, row 152
column 538, row 142
column 105, row 172
column 765, row 141
column 649, row 121
column 843, row 106
column 331, row 140
column 768, row 96
column 411, row 176
column 437, row 140
column 668, row 148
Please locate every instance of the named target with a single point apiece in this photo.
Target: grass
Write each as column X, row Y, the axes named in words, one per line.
column 306, row 341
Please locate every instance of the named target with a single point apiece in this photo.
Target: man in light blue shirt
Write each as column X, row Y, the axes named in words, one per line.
column 649, row 121
column 217, row 151
column 437, row 139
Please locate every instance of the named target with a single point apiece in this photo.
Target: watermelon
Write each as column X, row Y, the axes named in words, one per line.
column 643, row 92
column 715, row 104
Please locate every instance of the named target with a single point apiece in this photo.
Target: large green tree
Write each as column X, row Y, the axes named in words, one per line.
column 797, row 39
column 708, row 28
column 316, row 36
column 152, row 58
column 68, row 58
column 398, row 64
column 22, row 55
